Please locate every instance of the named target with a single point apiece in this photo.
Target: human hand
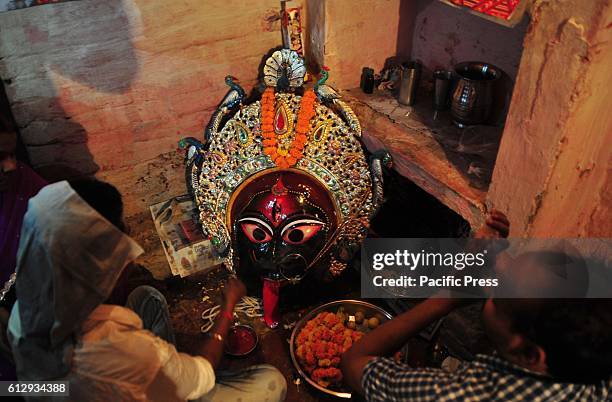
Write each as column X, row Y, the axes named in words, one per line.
column 232, row 293
column 496, row 226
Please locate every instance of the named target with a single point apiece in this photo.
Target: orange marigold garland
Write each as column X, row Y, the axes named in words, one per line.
column 285, row 157
column 267, row 123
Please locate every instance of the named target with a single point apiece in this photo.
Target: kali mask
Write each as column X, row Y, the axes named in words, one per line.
column 282, row 223
column 283, row 184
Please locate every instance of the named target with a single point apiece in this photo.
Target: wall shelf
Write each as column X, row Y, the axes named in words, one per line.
column 453, row 165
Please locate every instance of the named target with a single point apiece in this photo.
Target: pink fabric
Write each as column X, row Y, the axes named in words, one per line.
column 24, row 183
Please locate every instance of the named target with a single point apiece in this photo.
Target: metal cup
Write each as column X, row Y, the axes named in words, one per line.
column 411, row 75
column 472, row 99
column 442, row 83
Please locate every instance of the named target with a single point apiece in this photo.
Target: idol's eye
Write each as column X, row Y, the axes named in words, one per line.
column 301, row 231
column 256, row 230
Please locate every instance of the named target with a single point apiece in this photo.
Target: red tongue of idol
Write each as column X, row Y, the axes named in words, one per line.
column 271, row 292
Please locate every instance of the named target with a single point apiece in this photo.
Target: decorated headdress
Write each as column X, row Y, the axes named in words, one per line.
column 299, row 143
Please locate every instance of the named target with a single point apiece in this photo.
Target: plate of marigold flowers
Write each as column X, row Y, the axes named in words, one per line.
column 321, row 337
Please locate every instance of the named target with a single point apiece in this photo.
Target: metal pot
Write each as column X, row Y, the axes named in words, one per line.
column 350, row 307
column 472, row 99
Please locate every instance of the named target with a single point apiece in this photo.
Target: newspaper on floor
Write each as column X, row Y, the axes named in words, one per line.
column 186, row 248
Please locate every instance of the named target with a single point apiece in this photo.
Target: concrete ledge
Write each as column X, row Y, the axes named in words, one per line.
column 419, row 154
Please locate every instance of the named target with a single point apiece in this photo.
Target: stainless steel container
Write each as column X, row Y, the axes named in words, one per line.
column 409, row 83
column 443, row 80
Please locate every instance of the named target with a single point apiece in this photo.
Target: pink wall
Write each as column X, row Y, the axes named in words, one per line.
column 109, row 87
column 444, row 36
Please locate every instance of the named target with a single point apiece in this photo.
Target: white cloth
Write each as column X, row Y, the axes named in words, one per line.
column 116, row 356
column 68, row 262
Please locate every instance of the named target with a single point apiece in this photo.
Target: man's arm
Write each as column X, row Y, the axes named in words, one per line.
column 212, row 347
column 190, row 377
column 390, row 337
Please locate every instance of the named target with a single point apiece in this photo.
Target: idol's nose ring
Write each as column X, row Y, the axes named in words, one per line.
column 289, row 259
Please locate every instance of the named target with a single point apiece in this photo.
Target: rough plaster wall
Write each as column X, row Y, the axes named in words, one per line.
column 444, row 36
column 315, row 32
column 358, row 34
column 552, row 176
column 111, row 86
column 405, row 30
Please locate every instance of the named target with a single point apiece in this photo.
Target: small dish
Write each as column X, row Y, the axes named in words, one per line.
column 241, row 340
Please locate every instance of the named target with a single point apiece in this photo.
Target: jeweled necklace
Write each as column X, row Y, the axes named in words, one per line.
column 285, row 155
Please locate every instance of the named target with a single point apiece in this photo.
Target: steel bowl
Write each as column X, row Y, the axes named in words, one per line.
column 350, row 307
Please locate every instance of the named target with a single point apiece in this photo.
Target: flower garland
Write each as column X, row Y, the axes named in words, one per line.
column 286, row 156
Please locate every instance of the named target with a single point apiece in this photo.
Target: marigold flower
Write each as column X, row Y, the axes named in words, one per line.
column 296, row 153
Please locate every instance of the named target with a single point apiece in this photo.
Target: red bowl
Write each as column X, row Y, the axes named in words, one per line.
column 241, row 340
